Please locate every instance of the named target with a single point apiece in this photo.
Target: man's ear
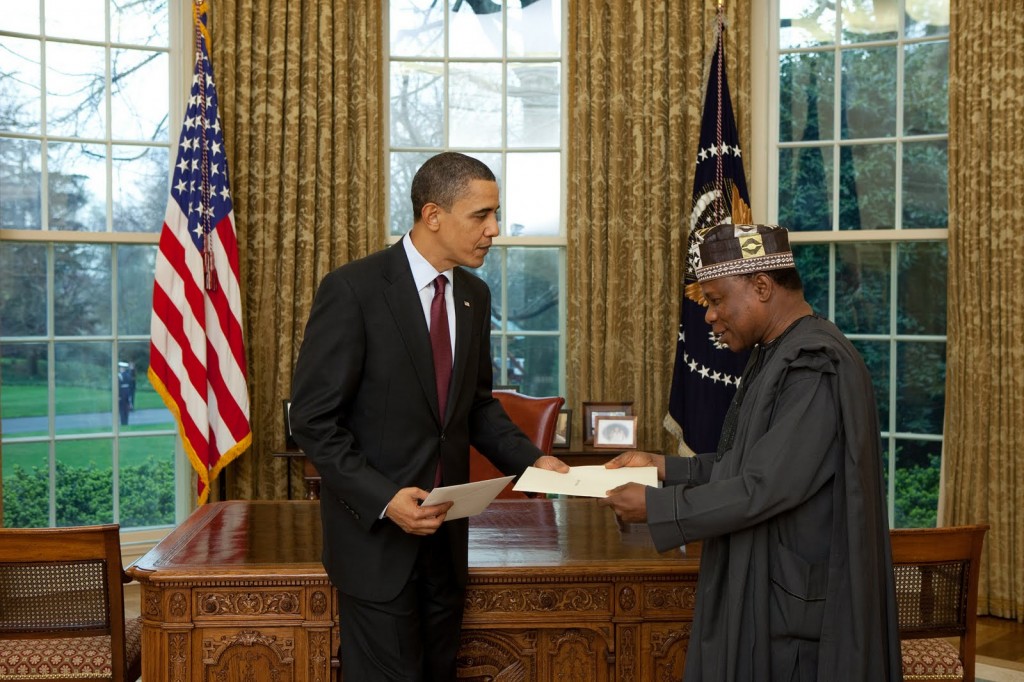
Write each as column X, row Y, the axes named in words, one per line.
column 430, row 214
column 763, row 286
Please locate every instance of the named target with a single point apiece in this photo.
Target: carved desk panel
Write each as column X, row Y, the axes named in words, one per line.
column 557, row 592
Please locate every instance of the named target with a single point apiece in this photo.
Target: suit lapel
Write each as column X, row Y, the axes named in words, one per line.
column 404, row 302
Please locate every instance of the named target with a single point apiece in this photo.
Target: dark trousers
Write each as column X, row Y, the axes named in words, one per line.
column 415, row 636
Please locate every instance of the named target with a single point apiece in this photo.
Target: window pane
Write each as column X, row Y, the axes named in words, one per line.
column 534, row 116
column 138, row 95
column 85, row 480
column 83, row 381
column 20, row 183
column 135, row 267
column 534, row 28
column 146, row 485
column 81, row 289
column 139, row 188
column 868, row 93
column 490, row 272
column 20, row 100
column 927, row 18
column 75, row 90
column 417, row 28
column 806, row 23
column 77, row 186
column 19, row 16
column 82, row 19
column 533, row 275
column 876, row 357
column 26, row 489
column 24, row 398
column 813, row 265
column 22, row 290
column 146, row 410
column 917, row 483
column 403, row 167
column 533, row 194
column 862, row 288
column 533, row 364
column 922, row 288
column 474, row 98
column 417, row 104
column 867, row 189
column 806, row 97
column 141, row 22
column 920, row 385
column 926, row 89
column 868, row 20
column 805, row 188
column 475, row 29
column 925, row 184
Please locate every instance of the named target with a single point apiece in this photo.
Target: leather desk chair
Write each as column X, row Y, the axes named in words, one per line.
column 536, row 417
column 936, row 572
column 62, row 606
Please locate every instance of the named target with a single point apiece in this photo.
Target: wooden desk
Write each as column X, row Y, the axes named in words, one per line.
column 557, row 592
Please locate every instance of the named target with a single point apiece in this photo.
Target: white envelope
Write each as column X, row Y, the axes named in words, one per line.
column 470, row 498
column 584, row 481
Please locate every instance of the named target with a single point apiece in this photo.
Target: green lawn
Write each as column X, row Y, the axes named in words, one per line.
column 29, row 400
column 87, row 454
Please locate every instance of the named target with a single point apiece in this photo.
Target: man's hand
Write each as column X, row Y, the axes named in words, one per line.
column 638, row 458
column 629, row 502
column 405, row 510
column 551, row 464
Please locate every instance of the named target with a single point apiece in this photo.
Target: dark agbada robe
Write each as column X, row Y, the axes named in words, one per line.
column 796, row 570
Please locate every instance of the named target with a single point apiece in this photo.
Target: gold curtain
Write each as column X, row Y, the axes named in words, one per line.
column 636, row 80
column 983, row 462
column 301, row 102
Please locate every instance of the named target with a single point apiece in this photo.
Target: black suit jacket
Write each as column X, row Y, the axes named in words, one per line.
column 364, row 410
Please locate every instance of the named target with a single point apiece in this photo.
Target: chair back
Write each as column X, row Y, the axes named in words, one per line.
column 536, row 417
column 936, row 573
column 67, row 584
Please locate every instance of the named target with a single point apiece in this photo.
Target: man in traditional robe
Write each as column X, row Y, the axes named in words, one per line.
column 796, row 575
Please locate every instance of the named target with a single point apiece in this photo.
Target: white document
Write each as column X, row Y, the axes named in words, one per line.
column 585, row 481
column 470, row 498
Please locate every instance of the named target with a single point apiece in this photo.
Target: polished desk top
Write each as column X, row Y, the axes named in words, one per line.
column 241, row 537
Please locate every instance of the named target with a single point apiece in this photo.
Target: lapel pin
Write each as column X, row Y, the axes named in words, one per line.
column 465, row 303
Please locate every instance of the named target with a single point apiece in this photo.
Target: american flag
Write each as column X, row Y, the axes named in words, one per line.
column 706, row 374
column 196, row 356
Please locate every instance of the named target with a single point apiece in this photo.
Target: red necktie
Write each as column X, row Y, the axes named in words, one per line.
column 441, row 344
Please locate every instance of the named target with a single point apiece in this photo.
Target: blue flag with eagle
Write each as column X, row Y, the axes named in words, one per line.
column 706, row 374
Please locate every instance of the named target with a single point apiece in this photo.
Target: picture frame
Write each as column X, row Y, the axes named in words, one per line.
column 615, row 432
column 563, row 429
column 289, row 439
column 592, row 410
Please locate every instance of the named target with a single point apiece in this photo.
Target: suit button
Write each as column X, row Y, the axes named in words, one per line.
column 444, row 438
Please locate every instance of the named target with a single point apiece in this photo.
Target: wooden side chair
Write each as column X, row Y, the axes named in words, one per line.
column 62, row 606
column 936, row 572
column 536, row 417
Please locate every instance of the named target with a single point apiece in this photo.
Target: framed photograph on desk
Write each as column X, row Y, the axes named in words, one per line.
column 563, row 429
column 618, row 433
column 593, row 410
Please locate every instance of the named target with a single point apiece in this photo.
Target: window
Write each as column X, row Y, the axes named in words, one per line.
column 84, row 166
column 485, row 78
column 860, row 165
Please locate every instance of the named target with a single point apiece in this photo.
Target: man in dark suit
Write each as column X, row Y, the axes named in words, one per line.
column 391, row 387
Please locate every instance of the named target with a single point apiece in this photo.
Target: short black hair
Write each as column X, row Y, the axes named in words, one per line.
column 443, row 178
column 787, row 278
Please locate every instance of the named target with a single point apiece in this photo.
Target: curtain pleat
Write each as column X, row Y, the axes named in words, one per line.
column 983, row 460
column 636, row 80
column 302, row 107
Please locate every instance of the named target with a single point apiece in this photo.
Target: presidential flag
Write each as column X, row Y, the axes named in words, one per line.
column 706, row 374
column 196, row 356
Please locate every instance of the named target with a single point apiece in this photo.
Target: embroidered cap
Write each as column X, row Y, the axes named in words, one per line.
column 728, row 250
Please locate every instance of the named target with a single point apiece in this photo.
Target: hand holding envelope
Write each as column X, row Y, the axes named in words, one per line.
column 584, row 481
